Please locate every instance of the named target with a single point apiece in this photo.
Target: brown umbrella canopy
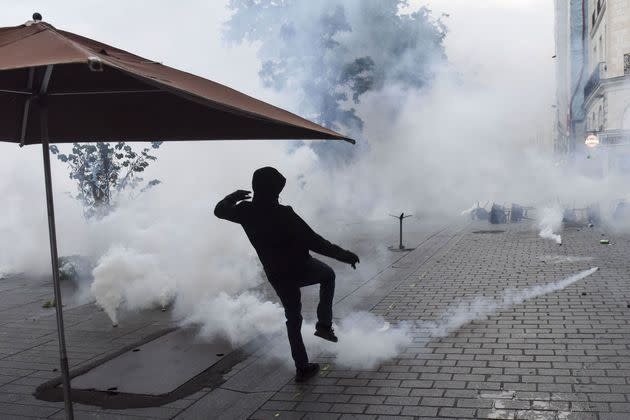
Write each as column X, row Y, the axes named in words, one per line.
column 95, row 92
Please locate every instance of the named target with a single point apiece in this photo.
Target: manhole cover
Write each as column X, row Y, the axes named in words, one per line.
column 488, row 231
column 155, row 368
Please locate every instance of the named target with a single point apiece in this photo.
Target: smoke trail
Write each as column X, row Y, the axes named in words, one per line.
column 559, row 259
column 550, row 222
column 480, row 308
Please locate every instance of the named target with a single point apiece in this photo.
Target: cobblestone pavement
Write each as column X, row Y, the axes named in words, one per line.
column 29, row 348
column 564, row 355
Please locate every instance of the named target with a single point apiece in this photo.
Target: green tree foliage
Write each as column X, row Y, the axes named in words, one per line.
column 103, row 171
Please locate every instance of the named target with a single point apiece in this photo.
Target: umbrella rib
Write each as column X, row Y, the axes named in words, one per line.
column 109, row 92
column 27, row 106
column 18, row 92
column 43, row 89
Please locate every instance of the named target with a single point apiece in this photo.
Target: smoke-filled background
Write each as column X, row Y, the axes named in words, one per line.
column 450, row 101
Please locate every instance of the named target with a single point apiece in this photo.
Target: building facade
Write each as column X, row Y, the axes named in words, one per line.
column 561, row 132
column 607, row 91
column 571, row 75
column 593, row 83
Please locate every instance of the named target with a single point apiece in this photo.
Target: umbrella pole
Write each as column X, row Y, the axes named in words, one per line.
column 65, row 374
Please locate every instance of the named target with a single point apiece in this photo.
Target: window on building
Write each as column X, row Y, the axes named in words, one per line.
column 626, row 64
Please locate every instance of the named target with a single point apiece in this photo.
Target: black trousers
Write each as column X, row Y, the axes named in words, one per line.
column 288, row 290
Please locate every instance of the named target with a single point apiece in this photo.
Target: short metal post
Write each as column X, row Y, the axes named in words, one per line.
column 400, row 221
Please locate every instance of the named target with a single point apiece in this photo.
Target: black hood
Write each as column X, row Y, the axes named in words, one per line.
column 267, row 183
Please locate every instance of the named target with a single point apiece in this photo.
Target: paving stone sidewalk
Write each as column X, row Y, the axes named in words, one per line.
column 564, row 355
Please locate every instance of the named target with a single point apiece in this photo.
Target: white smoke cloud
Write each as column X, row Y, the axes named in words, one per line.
column 550, row 221
column 238, row 318
column 126, row 278
column 367, row 340
column 432, row 152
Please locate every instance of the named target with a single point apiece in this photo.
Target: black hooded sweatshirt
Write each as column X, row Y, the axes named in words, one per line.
column 281, row 238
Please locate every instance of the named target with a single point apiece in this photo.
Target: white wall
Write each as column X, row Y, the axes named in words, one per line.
column 618, row 35
column 618, row 103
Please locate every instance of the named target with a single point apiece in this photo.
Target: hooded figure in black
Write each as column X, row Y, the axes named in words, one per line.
column 283, row 241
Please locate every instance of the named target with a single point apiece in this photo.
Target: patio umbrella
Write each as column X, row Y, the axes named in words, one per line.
column 59, row 87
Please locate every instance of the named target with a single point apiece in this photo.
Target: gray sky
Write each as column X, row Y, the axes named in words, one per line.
column 503, row 46
column 488, row 37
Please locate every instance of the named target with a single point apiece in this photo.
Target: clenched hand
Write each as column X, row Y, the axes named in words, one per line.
column 240, row 195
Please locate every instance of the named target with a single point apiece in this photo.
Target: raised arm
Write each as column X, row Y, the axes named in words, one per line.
column 318, row 244
column 228, row 207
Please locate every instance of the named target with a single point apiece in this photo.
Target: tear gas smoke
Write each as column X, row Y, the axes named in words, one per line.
column 469, row 211
column 480, row 307
column 442, row 135
column 366, row 341
column 179, row 257
column 354, row 47
column 237, row 318
column 550, row 221
column 124, row 277
column 569, row 259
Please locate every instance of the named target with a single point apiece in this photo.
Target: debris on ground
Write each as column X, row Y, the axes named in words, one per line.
column 49, row 304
